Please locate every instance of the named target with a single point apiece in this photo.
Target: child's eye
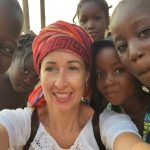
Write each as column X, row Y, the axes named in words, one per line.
column 119, row 71
column 82, row 21
column 98, row 17
column 6, row 50
column 26, row 71
column 144, row 33
column 121, row 47
column 100, row 75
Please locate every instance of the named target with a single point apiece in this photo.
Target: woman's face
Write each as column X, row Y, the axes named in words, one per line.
column 131, row 35
column 63, row 76
column 116, row 84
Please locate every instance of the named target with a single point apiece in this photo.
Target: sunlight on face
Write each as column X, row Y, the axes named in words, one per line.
column 63, row 76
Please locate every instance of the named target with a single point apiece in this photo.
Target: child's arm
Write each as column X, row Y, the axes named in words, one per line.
column 141, row 146
column 130, row 141
column 4, row 139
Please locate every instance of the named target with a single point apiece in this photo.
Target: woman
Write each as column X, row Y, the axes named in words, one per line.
column 62, row 58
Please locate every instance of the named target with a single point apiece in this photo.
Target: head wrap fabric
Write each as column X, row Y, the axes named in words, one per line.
column 58, row 36
column 61, row 35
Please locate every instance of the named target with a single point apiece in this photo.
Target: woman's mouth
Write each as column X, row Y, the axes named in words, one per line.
column 62, row 97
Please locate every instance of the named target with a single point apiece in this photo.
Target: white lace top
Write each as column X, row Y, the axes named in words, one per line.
column 18, row 124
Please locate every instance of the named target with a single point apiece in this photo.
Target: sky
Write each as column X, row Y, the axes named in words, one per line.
column 55, row 10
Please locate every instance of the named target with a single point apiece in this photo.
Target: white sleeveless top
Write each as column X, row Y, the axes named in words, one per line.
column 18, row 124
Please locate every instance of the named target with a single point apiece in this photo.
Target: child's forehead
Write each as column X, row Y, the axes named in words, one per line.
column 133, row 5
column 11, row 13
column 9, row 26
column 130, row 10
column 92, row 5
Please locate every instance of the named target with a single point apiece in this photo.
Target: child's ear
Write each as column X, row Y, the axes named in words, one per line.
column 108, row 22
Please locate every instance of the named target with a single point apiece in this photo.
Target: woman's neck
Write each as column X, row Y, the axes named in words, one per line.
column 65, row 127
column 66, row 120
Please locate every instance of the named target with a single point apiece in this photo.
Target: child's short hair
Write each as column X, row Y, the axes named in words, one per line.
column 24, row 49
column 13, row 9
column 101, row 3
column 26, row 39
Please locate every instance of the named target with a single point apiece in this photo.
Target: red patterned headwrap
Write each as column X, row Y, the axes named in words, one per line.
column 57, row 36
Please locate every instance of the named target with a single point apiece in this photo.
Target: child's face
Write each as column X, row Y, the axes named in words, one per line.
column 92, row 18
column 113, row 81
column 131, row 34
column 22, row 74
column 9, row 32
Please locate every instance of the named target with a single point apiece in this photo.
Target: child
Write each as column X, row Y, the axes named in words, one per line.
column 93, row 16
column 21, row 77
column 11, row 21
column 130, row 26
column 118, row 86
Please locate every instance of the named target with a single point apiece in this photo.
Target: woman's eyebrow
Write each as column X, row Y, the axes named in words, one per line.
column 74, row 61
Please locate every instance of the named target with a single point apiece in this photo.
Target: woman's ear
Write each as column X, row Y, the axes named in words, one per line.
column 87, row 77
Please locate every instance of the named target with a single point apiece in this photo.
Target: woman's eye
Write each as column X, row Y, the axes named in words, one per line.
column 121, row 47
column 144, row 33
column 49, row 69
column 73, row 68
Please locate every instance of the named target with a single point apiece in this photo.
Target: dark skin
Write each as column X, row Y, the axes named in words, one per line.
column 141, row 105
column 18, row 82
column 93, row 21
column 10, row 29
column 131, row 35
column 119, row 87
column 10, row 98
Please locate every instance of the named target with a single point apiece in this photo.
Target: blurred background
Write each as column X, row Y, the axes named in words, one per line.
column 39, row 13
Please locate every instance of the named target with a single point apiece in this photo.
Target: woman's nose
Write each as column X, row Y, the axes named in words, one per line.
column 61, row 80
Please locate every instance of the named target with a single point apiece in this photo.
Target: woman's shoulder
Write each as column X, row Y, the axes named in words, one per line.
column 16, row 113
column 86, row 113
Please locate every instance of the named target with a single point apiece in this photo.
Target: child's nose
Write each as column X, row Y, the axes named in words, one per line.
column 90, row 25
column 109, row 81
column 29, row 80
column 135, row 53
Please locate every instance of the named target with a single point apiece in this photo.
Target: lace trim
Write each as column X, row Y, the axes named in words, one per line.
column 43, row 141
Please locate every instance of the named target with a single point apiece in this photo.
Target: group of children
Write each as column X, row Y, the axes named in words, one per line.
column 119, row 69
column 20, row 79
column 118, row 79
